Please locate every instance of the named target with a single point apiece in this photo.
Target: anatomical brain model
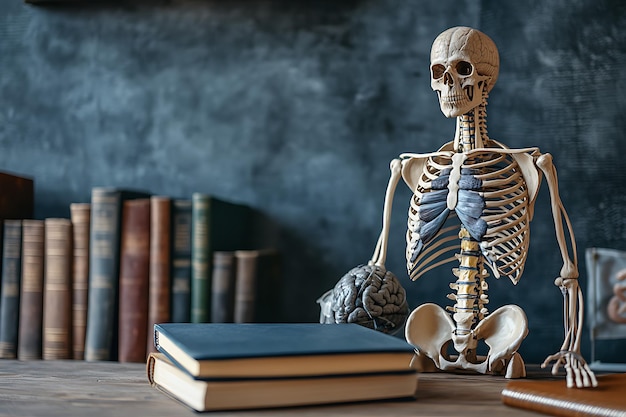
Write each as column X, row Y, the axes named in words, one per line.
column 472, row 203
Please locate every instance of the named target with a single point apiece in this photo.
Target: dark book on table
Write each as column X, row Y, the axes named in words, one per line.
column 240, row 394
column 229, row 350
column 104, row 256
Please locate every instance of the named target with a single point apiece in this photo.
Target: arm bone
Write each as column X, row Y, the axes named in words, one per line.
column 578, row 372
column 380, row 253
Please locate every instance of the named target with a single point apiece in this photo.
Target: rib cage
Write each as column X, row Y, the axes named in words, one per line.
column 507, row 208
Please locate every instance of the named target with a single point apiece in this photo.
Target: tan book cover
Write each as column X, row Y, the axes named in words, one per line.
column 57, row 293
column 31, row 302
column 80, row 215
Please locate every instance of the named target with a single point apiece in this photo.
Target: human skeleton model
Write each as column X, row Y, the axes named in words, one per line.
column 481, row 192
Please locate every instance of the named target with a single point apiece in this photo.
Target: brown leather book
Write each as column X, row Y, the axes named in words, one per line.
column 57, row 293
column 223, row 287
column 134, row 276
column 160, row 266
column 257, row 286
column 554, row 398
column 245, row 285
column 31, row 297
column 80, row 215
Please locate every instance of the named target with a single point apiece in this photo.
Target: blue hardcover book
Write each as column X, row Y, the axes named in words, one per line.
column 104, row 268
column 11, row 278
column 255, row 350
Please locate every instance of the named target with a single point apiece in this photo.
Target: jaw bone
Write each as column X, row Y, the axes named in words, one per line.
column 430, row 329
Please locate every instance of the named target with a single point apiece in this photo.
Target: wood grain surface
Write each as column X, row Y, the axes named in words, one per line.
column 96, row 389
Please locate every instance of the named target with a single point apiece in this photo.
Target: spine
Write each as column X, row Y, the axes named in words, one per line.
column 223, row 287
column 57, row 315
column 11, row 277
column 134, row 278
column 100, row 338
column 466, row 308
column 200, row 258
column 80, row 214
column 31, row 305
column 181, row 261
column 159, row 310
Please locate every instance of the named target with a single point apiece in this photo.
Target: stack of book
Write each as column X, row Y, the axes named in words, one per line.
column 226, row 366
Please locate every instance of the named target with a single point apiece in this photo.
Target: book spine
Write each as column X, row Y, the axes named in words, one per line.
column 160, row 265
column 104, row 234
column 10, row 298
column 181, row 261
column 223, row 287
column 245, row 285
column 200, row 259
column 80, row 214
column 31, row 305
column 57, row 301
column 134, row 278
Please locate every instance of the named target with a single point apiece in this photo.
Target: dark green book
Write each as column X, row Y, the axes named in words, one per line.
column 181, row 260
column 266, row 350
column 217, row 225
column 10, row 298
column 104, row 262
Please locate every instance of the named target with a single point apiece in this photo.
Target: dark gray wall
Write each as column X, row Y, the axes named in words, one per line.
column 297, row 107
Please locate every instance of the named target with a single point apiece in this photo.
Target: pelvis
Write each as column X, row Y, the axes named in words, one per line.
column 430, row 329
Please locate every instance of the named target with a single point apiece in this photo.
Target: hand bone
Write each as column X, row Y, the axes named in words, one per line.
column 576, row 369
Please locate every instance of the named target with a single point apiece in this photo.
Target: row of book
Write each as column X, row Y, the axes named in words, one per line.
column 92, row 286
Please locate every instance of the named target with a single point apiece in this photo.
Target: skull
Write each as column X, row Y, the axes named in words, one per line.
column 464, row 66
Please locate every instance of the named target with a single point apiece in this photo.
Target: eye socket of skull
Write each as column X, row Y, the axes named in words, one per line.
column 437, row 71
column 464, row 68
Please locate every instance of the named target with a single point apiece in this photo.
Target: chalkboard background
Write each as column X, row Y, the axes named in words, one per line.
column 297, row 107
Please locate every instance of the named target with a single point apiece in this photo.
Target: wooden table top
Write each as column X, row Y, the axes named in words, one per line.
column 96, row 389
